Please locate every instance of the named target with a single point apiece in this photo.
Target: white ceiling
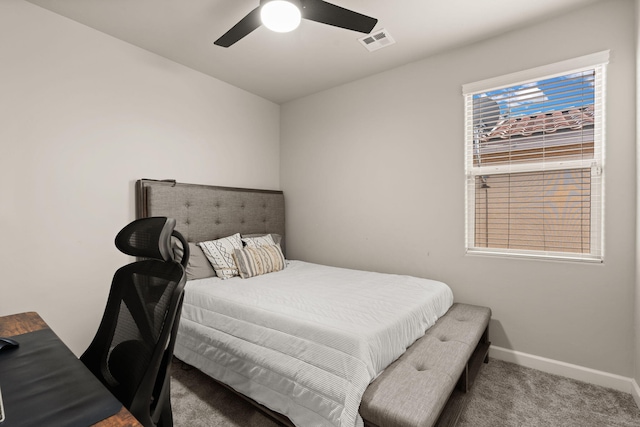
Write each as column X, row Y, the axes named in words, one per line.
column 281, row 67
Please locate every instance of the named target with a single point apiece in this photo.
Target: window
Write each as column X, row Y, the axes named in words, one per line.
column 534, row 162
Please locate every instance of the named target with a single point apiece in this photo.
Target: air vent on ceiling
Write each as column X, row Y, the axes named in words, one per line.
column 377, row 40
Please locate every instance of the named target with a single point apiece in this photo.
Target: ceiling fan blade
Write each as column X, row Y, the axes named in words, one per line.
column 327, row 13
column 241, row 29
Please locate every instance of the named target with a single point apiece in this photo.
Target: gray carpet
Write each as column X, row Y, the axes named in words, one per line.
column 504, row 395
column 507, row 395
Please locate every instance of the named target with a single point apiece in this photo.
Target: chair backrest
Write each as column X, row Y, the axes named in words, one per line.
column 132, row 349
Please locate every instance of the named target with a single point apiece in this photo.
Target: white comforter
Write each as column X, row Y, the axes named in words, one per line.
column 306, row 341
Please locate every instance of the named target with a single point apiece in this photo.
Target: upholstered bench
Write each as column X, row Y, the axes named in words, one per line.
column 413, row 391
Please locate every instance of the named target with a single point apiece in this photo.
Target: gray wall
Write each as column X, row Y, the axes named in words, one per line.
column 82, row 116
column 373, row 173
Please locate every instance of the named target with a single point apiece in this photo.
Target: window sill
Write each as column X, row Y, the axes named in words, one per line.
column 536, row 255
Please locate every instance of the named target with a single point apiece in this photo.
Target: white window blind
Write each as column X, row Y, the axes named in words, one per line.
column 534, row 162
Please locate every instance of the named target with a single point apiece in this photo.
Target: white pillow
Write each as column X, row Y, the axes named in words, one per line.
column 220, row 254
column 258, row 241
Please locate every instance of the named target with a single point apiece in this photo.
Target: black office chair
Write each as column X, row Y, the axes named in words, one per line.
column 132, row 350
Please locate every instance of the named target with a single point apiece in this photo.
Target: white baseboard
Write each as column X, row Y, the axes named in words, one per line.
column 576, row 372
column 635, row 392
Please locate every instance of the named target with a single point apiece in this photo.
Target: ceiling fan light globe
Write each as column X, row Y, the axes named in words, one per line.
column 280, row 16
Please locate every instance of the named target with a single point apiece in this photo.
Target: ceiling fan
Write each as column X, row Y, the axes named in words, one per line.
column 314, row 10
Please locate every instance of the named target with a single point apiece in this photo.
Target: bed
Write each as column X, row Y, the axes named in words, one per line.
column 309, row 344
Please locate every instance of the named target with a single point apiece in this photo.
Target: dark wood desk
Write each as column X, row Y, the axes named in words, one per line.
column 23, row 323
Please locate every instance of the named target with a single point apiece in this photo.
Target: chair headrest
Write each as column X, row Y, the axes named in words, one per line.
column 148, row 238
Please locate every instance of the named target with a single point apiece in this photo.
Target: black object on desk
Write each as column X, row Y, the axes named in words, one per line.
column 44, row 384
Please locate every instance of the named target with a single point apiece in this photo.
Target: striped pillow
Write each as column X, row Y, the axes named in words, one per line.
column 259, row 260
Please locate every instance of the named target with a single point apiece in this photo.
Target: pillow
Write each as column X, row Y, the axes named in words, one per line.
column 198, row 266
column 220, row 254
column 249, row 240
column 257, row 240
column 259, row 260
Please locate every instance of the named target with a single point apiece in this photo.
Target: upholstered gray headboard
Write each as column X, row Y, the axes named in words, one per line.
column 206, row 212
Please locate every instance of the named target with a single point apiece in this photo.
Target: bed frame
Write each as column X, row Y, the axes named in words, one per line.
column 440, row 367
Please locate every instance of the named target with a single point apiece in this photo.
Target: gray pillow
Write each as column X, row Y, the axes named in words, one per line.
column 199, row 266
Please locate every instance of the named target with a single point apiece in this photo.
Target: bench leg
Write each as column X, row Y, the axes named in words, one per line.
column 485, row 339
column 471, row 369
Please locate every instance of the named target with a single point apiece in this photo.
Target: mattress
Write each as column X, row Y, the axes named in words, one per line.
column 306, row 341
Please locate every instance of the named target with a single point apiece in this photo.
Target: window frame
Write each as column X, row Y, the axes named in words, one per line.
column 596, row 62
